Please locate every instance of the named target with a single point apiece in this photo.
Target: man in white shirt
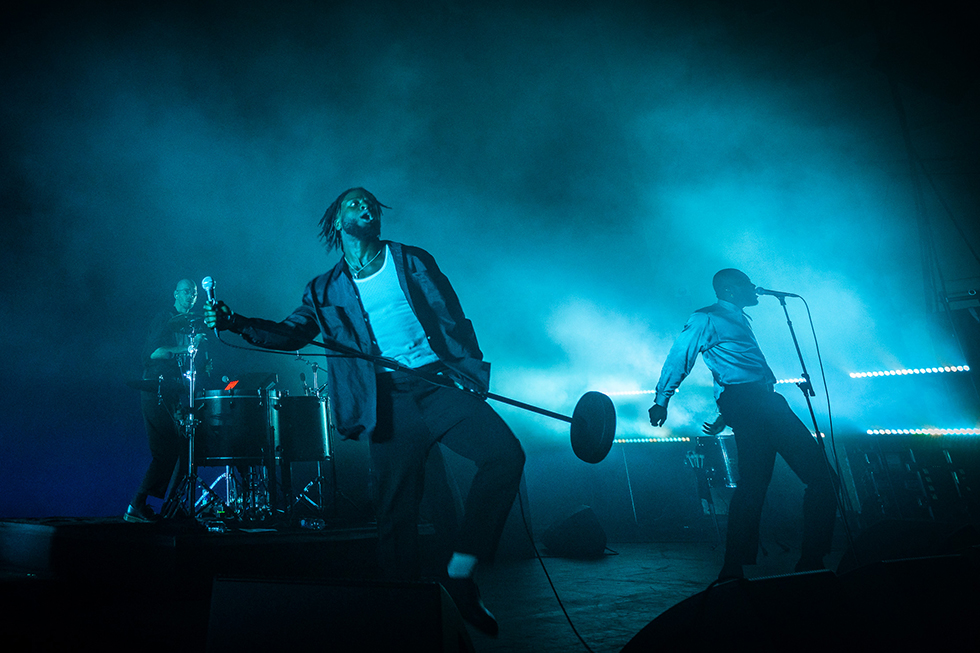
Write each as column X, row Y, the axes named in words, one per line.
column 761, row 420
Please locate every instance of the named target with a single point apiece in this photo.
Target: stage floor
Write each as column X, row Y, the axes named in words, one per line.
column 146, row 587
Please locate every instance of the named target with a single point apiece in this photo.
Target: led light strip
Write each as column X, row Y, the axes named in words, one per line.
column 648, row 440
column 973, row 431
column 629, row 393
column 918, row 370
column 853, row 375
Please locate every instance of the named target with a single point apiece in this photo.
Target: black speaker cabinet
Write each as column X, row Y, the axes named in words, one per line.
column 578, row 535
column 281, row 615
column 779, row 613
column 910, row 604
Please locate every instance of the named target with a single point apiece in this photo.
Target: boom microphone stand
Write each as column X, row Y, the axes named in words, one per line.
column 593, row 422
column 807, row 388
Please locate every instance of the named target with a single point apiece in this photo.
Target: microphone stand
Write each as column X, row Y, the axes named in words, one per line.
column 435, row 379
column 805, row 386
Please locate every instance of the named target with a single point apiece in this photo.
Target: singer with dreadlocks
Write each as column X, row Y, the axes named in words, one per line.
column 387, row 299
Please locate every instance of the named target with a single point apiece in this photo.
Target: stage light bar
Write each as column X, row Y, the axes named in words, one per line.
column 641, row 440
column 634, row 393
column 917, row 370
column 970, row 431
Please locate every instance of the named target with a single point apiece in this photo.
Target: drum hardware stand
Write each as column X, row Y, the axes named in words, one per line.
column 184, row 495
column 304, row 497
column 315, row 523
column 256, row 483
column 232, row 494
column 249, row 483
column 316, row 390
column 246, row 497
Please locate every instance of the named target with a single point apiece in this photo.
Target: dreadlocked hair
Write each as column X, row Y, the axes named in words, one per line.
column 331, row 236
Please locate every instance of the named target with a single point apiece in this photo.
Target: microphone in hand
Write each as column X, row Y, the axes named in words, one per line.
column 210, row 314
column 217, row 315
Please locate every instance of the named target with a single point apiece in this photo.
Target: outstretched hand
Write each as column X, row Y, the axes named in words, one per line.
column 217, row 315
column 658, row 414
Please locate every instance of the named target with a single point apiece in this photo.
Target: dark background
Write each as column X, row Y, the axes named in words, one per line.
column 579, row 170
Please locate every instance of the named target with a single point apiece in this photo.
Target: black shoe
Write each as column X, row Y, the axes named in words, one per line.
column 730, row 573
column 140, row 515
column 466, row 596
column 809, row 565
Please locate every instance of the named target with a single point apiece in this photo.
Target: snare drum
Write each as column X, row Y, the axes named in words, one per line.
column 301, row 428
column 233, row 427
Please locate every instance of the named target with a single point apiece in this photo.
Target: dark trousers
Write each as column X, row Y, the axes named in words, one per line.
column 167, row 447
column 413, row 415
column 764, row 425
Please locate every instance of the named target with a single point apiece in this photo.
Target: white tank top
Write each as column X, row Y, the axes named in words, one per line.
column 398, row 332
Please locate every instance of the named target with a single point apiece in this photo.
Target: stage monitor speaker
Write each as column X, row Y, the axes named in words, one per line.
column 912, row 604
column 918, row 603
column 293, row 615
column 577, row 536
column 893, row 539
column 780, row 613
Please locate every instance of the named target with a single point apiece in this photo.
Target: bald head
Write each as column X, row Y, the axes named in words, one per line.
column 726, row 278
column 734, row 286
column 185, row 296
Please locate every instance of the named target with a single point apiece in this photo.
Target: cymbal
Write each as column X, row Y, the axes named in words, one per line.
column 146, row 385
column 186, row 321
column 153, row 385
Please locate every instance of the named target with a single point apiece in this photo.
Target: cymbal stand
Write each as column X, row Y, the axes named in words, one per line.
column 184, row 495
column 304, row 497
column 316, row 390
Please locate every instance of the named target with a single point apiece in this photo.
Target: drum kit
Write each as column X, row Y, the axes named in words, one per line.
column 252, row 430
column 256, row 432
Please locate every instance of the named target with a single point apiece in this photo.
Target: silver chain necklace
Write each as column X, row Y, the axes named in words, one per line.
column 357, row 273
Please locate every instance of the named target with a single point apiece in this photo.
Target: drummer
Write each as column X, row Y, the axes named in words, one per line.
column 170, row 334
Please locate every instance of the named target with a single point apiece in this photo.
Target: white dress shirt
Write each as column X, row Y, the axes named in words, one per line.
column 722, row 335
